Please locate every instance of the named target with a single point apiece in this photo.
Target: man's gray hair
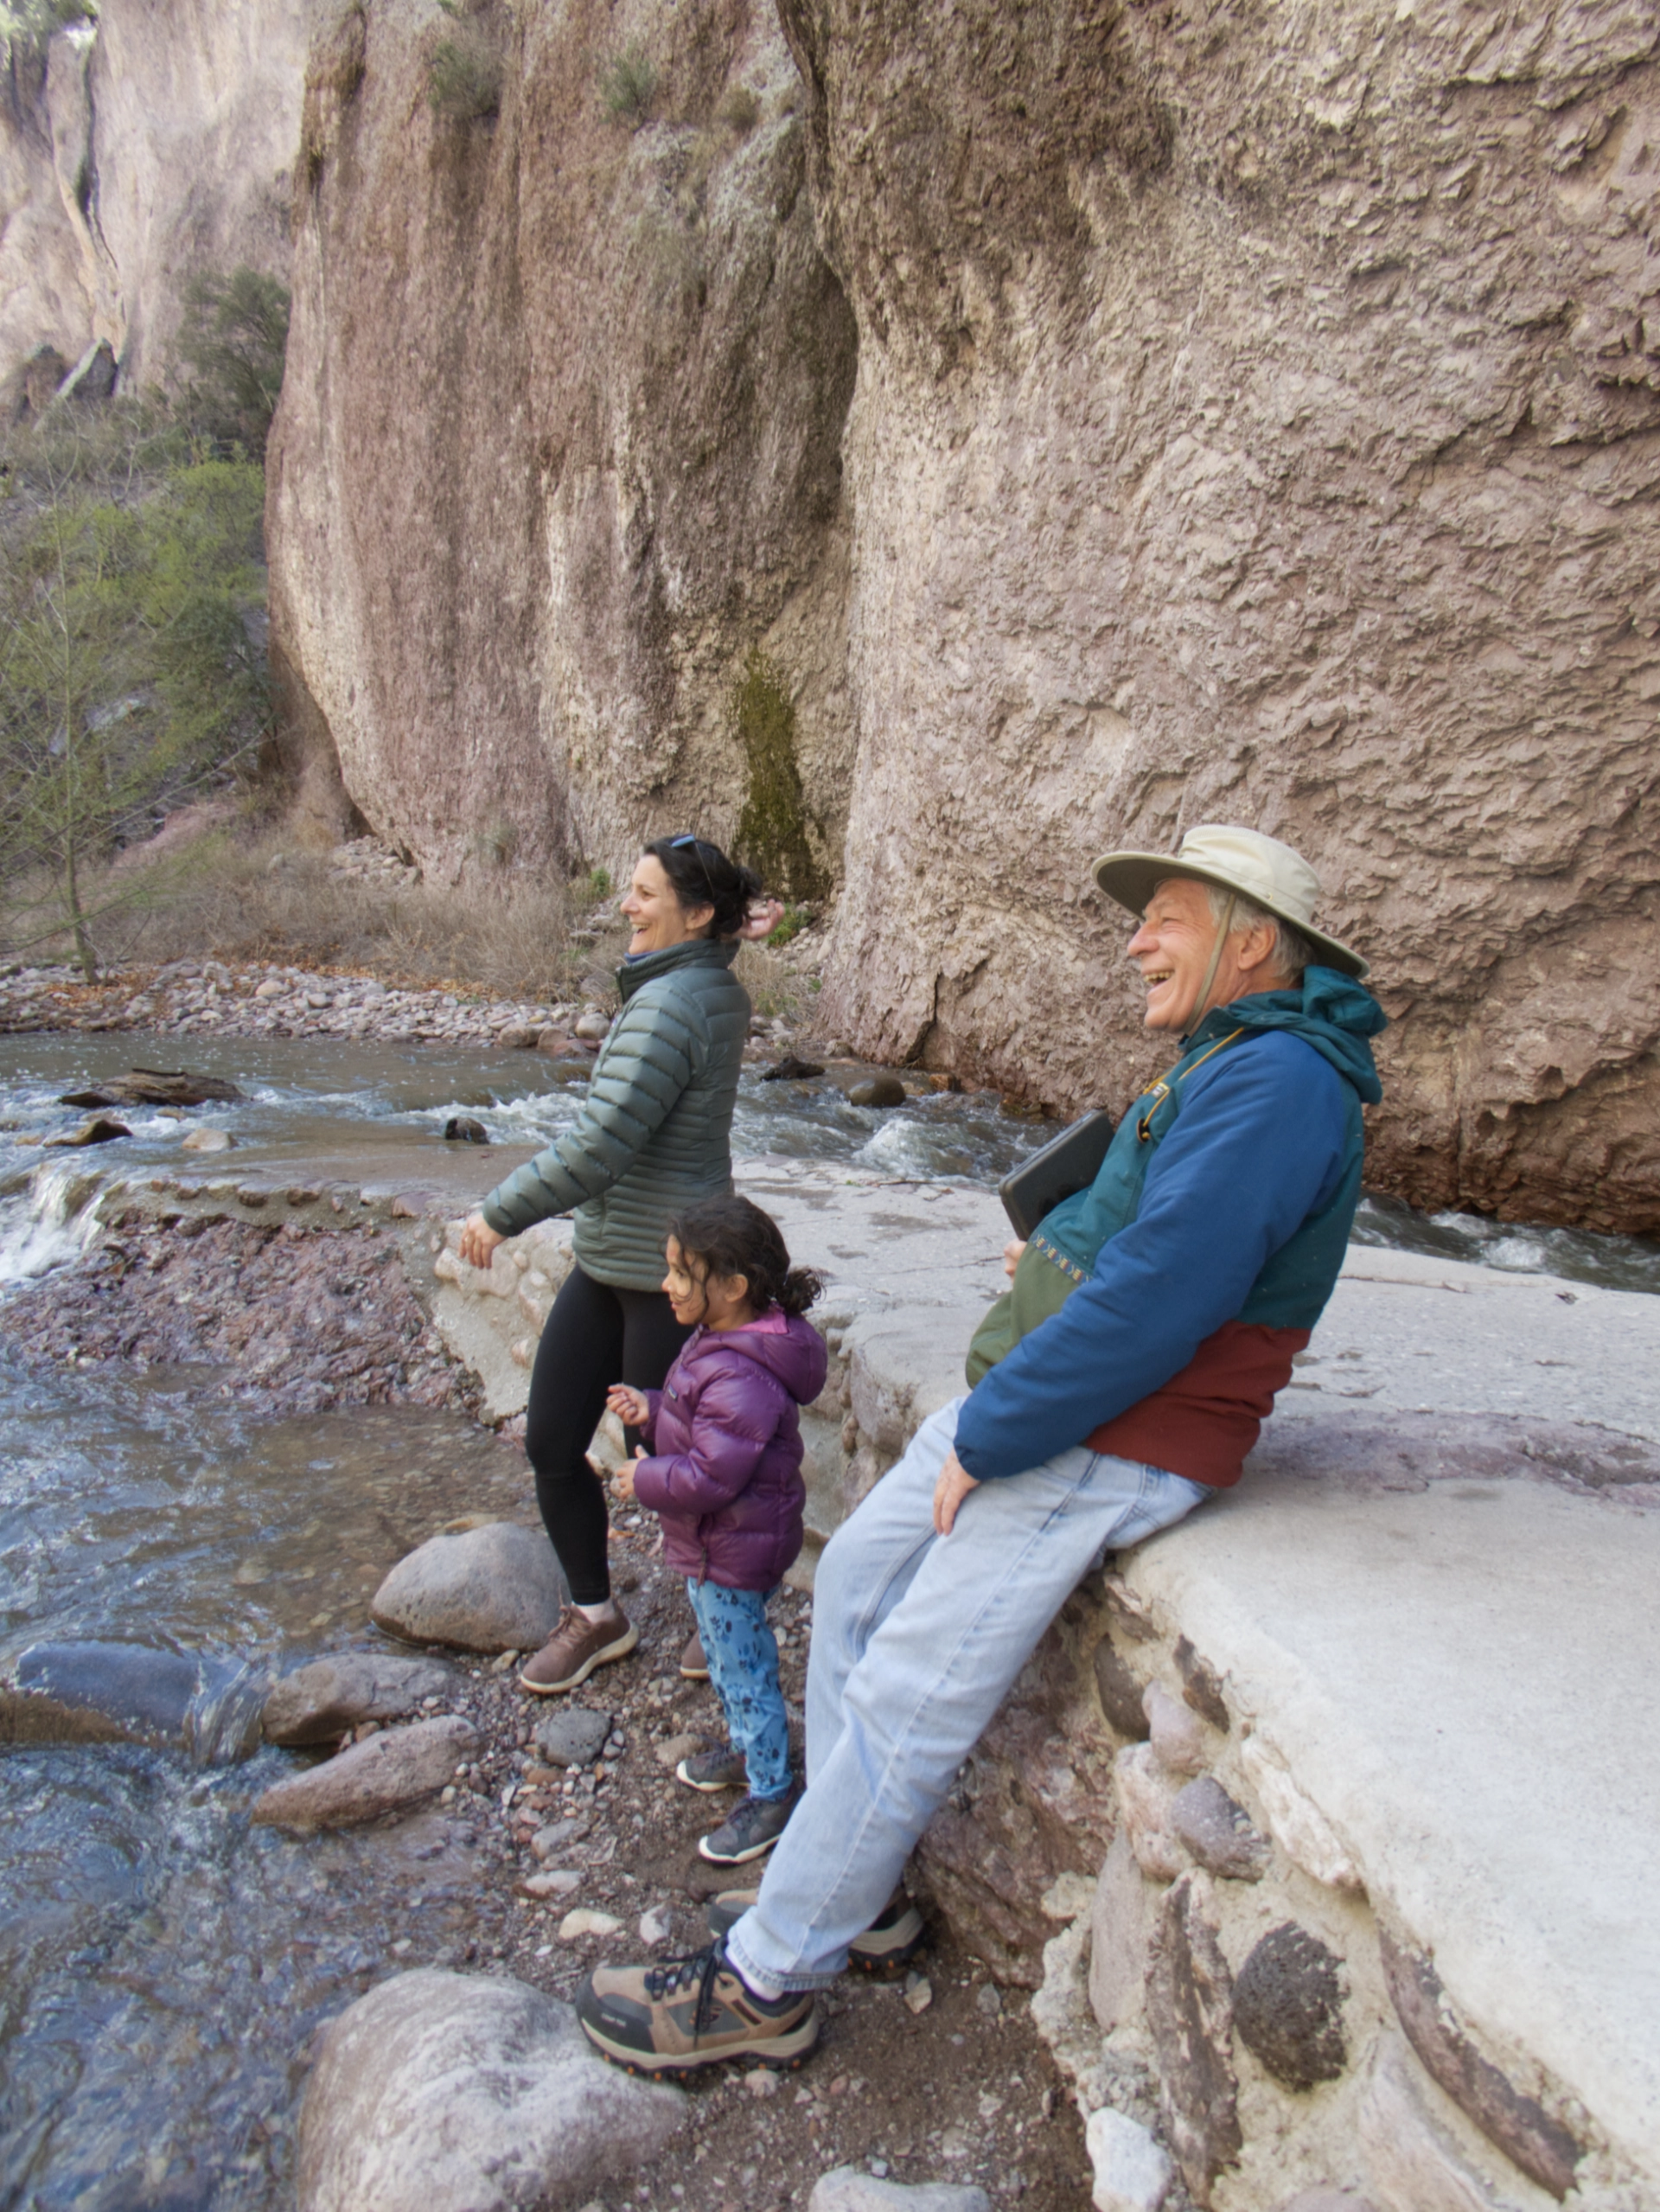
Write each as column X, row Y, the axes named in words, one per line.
column 1291, row 950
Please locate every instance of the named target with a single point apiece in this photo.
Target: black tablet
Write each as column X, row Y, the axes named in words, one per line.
column 1067, row 1164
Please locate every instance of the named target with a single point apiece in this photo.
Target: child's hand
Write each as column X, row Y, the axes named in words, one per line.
column 1011, row 1252
column 622, row 1483
column 631, row 1406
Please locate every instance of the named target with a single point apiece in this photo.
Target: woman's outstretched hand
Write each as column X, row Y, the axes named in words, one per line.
column 629, row 1406
column 479, row 1240
column 953, row 1486
column 764, row 915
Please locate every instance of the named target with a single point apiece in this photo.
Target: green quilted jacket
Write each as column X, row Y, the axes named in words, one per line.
column 656, row 1131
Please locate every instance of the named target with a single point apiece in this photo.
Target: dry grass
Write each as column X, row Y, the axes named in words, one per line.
column 240, row 900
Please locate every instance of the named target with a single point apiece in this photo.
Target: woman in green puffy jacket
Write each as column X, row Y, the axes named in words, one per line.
column 654, row 1135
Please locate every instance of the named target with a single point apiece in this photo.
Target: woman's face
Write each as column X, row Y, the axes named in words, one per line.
column 658, row 917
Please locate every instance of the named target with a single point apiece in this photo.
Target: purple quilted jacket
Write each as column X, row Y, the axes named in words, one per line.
column 724, row 1433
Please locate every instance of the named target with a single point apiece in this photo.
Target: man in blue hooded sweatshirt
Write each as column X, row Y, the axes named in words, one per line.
column 1123, row 1379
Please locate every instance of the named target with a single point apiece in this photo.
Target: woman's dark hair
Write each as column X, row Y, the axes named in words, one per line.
column 731, row 1236
column 701, row 875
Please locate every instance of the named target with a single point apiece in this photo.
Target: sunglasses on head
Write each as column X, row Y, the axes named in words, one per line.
column 696, row 843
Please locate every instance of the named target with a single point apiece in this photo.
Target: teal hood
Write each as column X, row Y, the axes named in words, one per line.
column 1336, row 1016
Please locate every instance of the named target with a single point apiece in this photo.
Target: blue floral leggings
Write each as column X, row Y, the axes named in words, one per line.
column 743, row 1667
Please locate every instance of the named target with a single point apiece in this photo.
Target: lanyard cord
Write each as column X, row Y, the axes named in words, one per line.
column 1202, row 1007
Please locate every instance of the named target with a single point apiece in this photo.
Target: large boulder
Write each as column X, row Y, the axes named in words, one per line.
column 319, row 1702
column 402, row 1767
column 494, row 1589
column 448, row 2092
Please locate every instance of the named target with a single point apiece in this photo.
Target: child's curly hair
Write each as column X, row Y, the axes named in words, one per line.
column 732, row 1236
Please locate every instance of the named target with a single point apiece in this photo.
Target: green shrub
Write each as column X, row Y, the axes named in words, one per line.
column 464, row 80
column 234, row 335
column 133, row 671
column 627, row 85
column 790, row 925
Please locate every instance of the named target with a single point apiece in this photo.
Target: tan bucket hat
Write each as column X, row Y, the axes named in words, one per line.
column 1259, row 868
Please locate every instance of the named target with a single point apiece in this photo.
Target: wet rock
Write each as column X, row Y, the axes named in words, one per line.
column 94, row 1693
column 157, row 1087
column 1288, row 2007
column 878, row 1090
column 1190, row 2011
column 1218, row 1831
column 1119, row 1692
column 400, row 1767
column 849, row 2189
column 573, row 1736
column 449, row 2092
column 461, row 1129
column 209, row 1141
column 1175, row 1731
column 1412, row 2162
column 593, row 1027
column 1146, row 1799
column 1121, row 1929
column 1132, row 2171
column 1202, row 1686
column 1523, row 2129
column 100, row 1129
column 791, row 1069
column 494, row 1589
column 319, row 1701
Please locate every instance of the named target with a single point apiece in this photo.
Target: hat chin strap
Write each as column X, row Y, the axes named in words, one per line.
column 1201, row 1003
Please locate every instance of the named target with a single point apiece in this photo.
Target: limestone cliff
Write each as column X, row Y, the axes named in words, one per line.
column 558, row 549
column 1256, row 419
column 135, row 155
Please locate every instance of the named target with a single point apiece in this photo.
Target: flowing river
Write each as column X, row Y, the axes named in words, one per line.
column 162, row 1965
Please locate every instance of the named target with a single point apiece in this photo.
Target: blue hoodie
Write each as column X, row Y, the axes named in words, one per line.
column 1204, row 1251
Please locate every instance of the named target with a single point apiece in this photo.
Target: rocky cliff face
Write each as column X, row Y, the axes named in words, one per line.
column 559, row 548
column 156, row 149
column 1256, row 420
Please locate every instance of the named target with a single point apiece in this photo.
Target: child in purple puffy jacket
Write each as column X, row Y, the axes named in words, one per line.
column 721, row 1467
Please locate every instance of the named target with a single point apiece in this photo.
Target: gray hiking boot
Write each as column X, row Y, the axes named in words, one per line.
column 718, row 1767
column 753, row 1826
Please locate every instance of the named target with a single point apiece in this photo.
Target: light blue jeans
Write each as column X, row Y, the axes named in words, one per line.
column 916, row 1640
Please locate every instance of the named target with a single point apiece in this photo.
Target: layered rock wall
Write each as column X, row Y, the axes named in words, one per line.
column 135, row 155
column 1256, row 420
column 558, row 547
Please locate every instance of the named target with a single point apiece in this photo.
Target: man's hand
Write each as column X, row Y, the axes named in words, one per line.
column 953, row 1486
column 629, row 1405
column 479, row 1240
column 1011, row 1252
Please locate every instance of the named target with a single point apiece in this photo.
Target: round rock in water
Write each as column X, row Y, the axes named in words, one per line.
column 494, row 1589
column 403, row 1766
column 879, row 1091
column 1288, row 2007
column 453, row 2093
column 849, row 2189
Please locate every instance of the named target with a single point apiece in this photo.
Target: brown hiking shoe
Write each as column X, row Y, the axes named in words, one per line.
column 577, row 1646
column 694, row 1667
column 687, row 2013
column 886, row 1947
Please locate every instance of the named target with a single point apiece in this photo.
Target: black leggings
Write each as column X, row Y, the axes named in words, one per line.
column 595, row 1336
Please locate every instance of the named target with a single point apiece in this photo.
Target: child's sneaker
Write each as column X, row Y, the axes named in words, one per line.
column 694, row 1667
column 754, row 1826
column 687, row 2013
column 887, row 1946
column 718, row 1768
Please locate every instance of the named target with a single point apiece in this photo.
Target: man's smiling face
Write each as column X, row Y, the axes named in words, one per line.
column 1172, row 949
